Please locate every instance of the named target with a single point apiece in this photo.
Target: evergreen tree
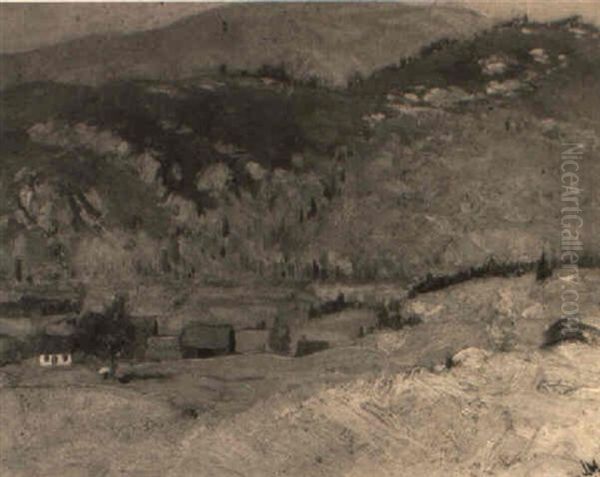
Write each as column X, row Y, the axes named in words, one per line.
column 312, row 211
column 544, row 269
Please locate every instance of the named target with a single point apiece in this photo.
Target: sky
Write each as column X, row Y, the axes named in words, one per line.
column 28, row 26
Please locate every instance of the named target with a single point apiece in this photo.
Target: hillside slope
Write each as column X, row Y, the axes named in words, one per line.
column 508, row 415
column 439, row 398
column 433, row 167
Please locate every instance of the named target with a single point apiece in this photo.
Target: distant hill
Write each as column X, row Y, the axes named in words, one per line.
column 27, row 26
column 324, row 41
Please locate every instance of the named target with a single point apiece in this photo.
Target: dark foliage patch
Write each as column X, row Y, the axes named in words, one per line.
column 491, row 268
column 567, row 330
column 190, row 412
column 395, row 320
column 447, row 62
column 33, row 305
column 590, row 468
column 266, row 125
column 13, row 350
column 306, row 347
column 107, row 335
column 328, row 307
column 543, row 269
column 140, row 376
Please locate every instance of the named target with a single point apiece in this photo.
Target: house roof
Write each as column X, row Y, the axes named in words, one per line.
column 50, row 344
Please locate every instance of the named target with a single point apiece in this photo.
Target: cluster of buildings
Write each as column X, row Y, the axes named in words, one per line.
column 201, row 340
column 155, row 340
column 57, row 333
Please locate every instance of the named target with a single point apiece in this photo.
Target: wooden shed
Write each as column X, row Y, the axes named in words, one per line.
column 163, row 348
column 251, row 341
column 199, row 340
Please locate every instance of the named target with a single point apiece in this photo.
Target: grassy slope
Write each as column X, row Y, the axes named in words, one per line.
column 401, row 210
column 358, row 409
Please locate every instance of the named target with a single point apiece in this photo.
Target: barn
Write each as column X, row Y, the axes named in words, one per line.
column 199, row 340
column 163, row 348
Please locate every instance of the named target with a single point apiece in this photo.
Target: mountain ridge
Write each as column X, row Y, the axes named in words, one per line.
column 293, row 181
column 311, row 40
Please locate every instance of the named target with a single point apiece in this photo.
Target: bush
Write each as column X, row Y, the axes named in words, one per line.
column 590, row 468
column 140, row 376
column 395, row 320
column 277, row 72
column 306, row 347
column 569, row 329
column 107, row 335
column 436, row 46
column 491, row 268
column 328, row 307
column 543, row 269
column 9, row 350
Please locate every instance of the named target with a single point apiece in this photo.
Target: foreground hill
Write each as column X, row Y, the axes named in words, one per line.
column 310, row 40
column 469, row 391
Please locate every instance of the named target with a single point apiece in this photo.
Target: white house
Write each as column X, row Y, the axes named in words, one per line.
column 62, row 359
column 55, row 351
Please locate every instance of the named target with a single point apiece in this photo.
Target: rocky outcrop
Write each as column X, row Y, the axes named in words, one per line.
column 80, row 135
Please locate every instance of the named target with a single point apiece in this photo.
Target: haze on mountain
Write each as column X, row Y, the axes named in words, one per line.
column 309, row 40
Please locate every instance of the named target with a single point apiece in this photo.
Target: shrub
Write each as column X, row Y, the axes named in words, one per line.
column 395, row 320
column 569, row 329
column 107, row 335
column 436, row 46
column 590, row 468
column 543, row 269
column 328, row 307
column 306, row 347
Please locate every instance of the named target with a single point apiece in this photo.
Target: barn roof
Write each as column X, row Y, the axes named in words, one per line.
column 202, row 336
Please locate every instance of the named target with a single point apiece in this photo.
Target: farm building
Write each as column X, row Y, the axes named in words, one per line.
column 163, row 348
column 251, row 341
column 200, row 340
column 145, row 328
column 244, row 316
column 55, row 351
column 169, row 325
column 333, row 330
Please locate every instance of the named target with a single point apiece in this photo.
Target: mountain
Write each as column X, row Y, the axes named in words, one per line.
column 28, row 27
column 228, row 173
column 324, row 41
